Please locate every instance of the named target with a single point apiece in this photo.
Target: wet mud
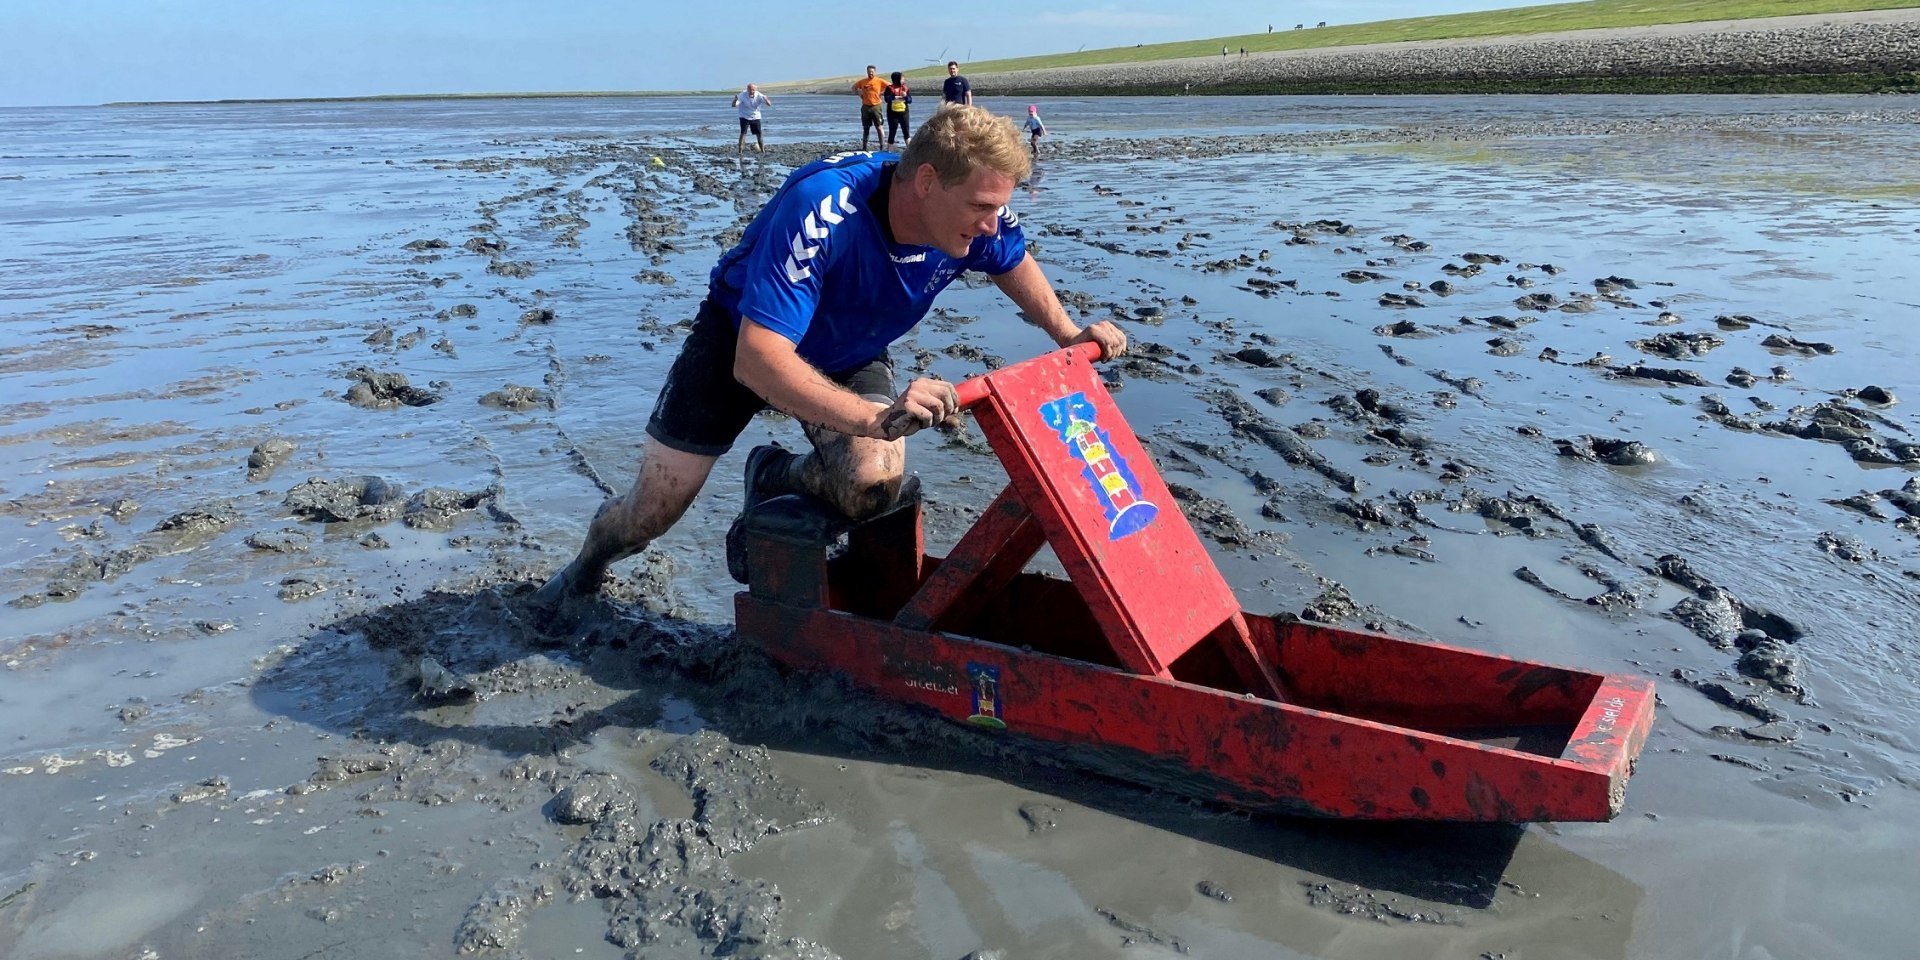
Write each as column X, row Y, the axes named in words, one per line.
column 273, row 687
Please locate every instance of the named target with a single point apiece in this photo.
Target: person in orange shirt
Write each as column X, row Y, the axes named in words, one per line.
column 870, row 88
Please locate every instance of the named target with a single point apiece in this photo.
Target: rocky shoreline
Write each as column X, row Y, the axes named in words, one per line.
column 1863, row 52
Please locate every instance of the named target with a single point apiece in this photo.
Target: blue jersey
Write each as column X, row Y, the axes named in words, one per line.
column 816, row 266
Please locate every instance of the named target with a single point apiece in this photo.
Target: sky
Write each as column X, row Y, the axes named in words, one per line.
column 75, row 52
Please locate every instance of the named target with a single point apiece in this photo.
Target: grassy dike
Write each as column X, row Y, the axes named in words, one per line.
column 1749, row 84
column 1520, row 21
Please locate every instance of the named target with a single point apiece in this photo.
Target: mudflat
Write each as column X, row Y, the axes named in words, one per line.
column 301, row 401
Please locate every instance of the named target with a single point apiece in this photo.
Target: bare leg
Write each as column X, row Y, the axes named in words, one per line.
column 859, row 475
column 669, row 480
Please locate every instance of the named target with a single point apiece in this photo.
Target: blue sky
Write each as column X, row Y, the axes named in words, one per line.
column 61, row 52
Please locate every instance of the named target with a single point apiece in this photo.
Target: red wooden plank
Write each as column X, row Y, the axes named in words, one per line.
column 1106, row 512
column 990, row 555
column 1247, row 752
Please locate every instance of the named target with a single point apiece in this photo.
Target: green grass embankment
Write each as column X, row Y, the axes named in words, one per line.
column 1550, row 18
column 1824, row 83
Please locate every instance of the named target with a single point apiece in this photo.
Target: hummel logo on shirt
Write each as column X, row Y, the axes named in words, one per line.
column 815, row 227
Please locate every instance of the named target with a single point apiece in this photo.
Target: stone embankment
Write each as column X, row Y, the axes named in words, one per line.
column 1879, row 42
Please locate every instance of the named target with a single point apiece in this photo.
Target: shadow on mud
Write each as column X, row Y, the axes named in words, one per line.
column 629, row 660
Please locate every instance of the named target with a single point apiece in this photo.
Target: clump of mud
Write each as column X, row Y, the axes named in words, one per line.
column 346, row 499
column 267, row 456
column 1780, row 343
column 1641, row 371
column 199, row 521
column 1353, row 901
column 284, row 540
column 1834, row 421
column 437, row 508
column 1764, row 639
column 376, row 390
column 672, row 887
column 516, row 397
column 1679, row 346
column 1610, row 450
column 373, row 500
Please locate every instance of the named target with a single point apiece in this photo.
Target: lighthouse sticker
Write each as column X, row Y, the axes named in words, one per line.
column 1072, row 417
column 986, row 696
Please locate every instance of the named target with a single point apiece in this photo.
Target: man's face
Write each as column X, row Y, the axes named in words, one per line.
column 955, row 215
column 870, row 73
column 953, row 69
column 751, row 89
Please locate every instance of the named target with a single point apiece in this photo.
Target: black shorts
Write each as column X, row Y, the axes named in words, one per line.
column 746, row 125
column 702, row 409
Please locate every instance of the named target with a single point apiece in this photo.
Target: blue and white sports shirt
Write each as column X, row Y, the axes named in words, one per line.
column 816, row 267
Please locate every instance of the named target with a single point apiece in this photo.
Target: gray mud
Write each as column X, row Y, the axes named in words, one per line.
column 272, row 689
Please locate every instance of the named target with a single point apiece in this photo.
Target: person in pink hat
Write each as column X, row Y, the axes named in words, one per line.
column 1035, row 129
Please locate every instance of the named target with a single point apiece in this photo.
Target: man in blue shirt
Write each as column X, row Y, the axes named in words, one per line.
column 845, row 258
column 957, row 89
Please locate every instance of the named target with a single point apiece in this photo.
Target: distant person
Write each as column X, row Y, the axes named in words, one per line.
column 749, row 102
column 1223, row 52
column 870, row 88
column 957, row 89
column 1035, row 129
column 898, row 97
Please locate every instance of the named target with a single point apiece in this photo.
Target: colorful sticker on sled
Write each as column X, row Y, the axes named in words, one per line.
column 1072, row 417
column 986, row 695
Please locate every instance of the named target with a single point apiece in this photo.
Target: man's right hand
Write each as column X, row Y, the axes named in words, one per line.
column 1106, row 333
column 924, row 403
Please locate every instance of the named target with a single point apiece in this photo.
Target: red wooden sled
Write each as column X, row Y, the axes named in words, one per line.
column 1143, row 660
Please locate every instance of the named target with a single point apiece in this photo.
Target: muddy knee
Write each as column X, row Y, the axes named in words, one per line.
column 867, row 493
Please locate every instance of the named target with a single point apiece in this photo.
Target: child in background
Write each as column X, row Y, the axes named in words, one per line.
column 1035, row 129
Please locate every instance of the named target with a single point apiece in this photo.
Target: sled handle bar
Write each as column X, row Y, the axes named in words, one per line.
column 974, row 389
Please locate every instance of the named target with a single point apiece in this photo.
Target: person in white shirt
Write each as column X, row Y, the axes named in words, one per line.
column 749, row 102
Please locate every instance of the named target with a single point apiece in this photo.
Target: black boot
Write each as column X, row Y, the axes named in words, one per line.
column 768, row 474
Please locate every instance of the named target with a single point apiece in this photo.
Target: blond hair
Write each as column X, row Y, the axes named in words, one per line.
column 959, row 139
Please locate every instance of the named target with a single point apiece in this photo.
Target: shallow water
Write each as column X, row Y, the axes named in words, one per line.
column 183, row 283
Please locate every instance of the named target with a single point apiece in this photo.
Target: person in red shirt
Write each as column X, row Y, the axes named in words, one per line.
column 897, row 98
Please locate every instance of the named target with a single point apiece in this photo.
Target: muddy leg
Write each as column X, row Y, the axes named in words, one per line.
column 669, row 480
column 859, row 475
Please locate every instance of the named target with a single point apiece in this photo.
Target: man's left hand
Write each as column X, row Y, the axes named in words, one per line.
column 1112, row 339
